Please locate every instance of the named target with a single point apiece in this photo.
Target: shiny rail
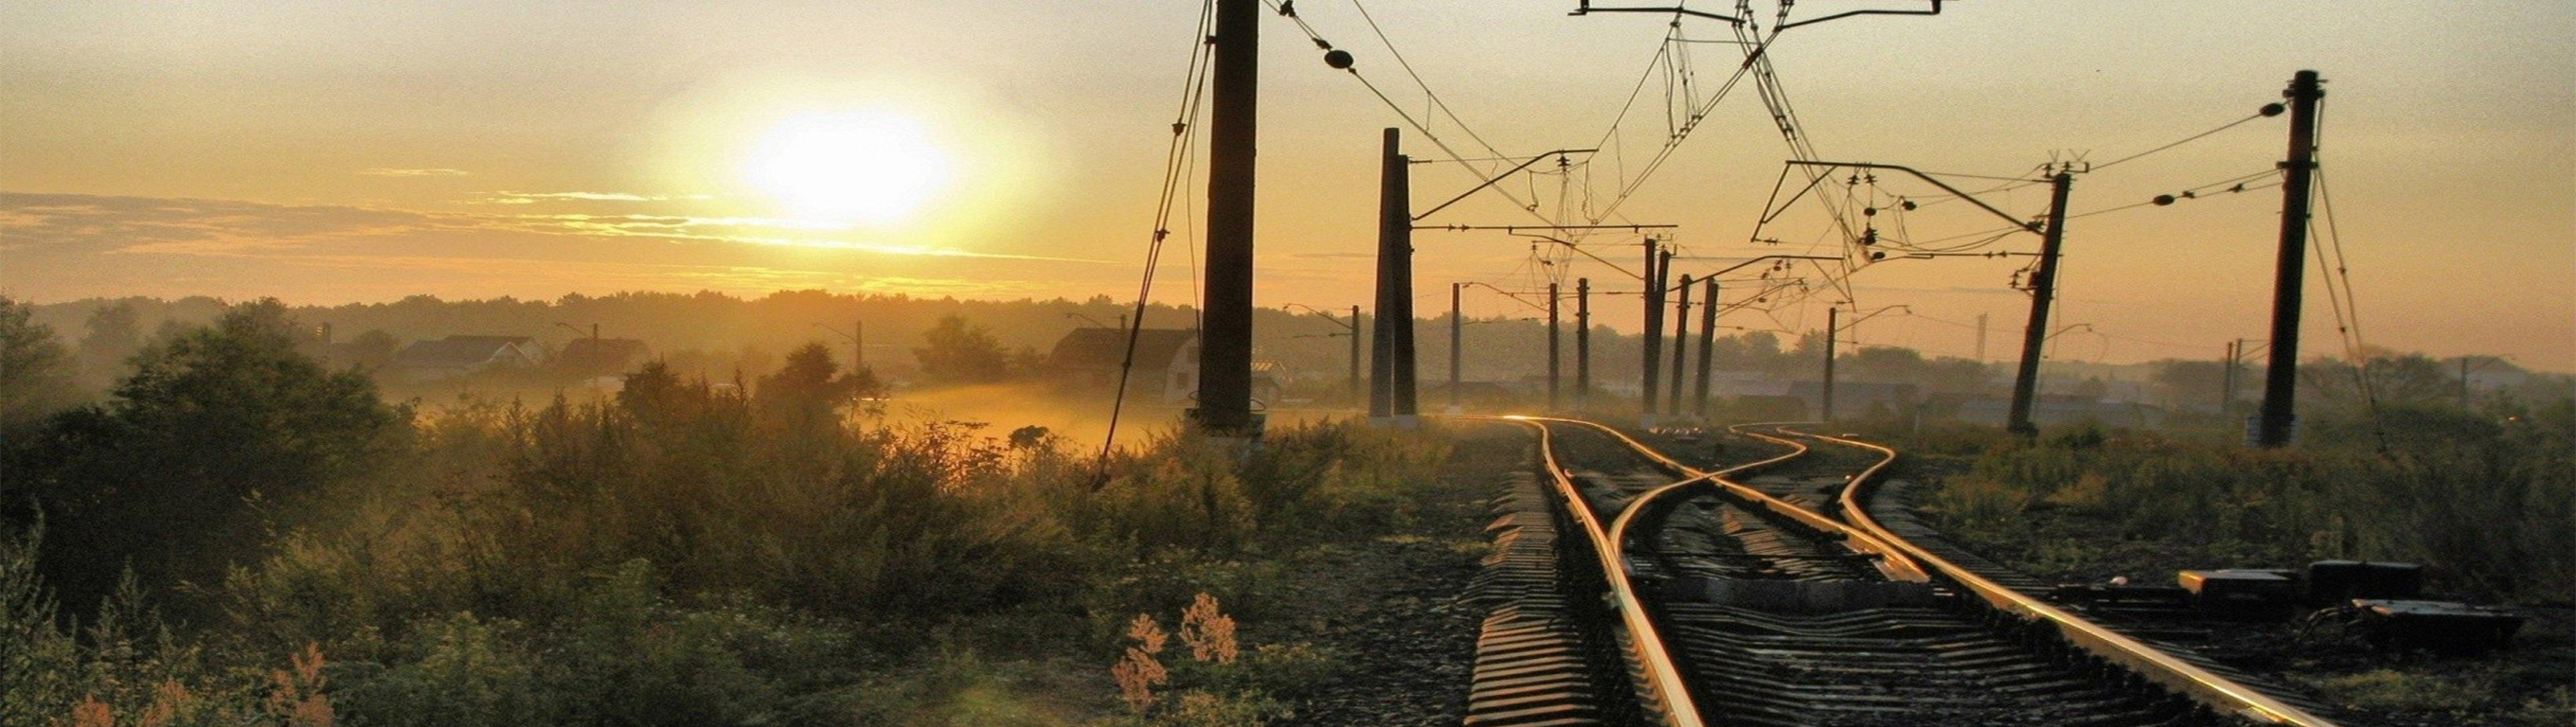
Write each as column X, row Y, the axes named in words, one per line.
column 2199, row 684
column 1660, row 679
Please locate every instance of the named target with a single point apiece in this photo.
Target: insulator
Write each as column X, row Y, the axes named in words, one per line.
column 2273, row 109
column 1869, row 212
column 1338, row 59
column 1908, row 205
column 2164, row 199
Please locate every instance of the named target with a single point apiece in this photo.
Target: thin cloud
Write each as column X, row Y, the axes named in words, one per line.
column 507, row 197
column 397, row 172
column 184, row 246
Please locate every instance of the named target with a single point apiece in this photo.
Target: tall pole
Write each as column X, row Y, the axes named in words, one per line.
column 2227, row 381
column 1681, row 345
column 1391, row 212
column 2043, row 289
column 1457, row 323
column 1981, row 338
column 1356, row 392
column 2281, row 378
column 1554, row 355
column 858, row 345
column 2463, row 380
column 1225, row 346
column 1707, row 345
column 1582, row 343
column 1408, row 369
column 1654, row 343
column 1833, row 326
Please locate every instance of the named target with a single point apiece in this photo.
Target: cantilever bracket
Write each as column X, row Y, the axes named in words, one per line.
column 1584, row 7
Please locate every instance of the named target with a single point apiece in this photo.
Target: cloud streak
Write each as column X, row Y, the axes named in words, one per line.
column 398, row 172
column 72, row 245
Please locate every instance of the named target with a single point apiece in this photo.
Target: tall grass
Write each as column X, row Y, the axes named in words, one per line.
column 2486, row 502
column 698, row 557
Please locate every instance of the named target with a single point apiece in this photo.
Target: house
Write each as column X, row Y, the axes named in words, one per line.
column 456, row 356
column 1167, row 364
column 602, row 355
column 2059, row 410
column 1855, row 398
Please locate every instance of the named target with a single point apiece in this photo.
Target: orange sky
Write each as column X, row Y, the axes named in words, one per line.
column 329, row 151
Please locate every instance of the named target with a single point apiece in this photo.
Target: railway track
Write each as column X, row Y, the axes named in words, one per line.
column 1790, row 603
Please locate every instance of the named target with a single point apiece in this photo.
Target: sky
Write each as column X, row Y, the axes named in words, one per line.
column 324, row 152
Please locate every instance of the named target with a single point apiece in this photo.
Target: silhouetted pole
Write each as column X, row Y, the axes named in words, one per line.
column 1681, row 345
column 2227, row 380
column 1356, row 393
column 1457, row 323
column 1225, row 346
column 1833, row 322
column 2043, row 289
column 1654, row 341
column 1554, row 355
column 2281, row 378
column 1707, row 345
column 1981, row 338
column 1391, row 387
column 858, row 345
column 1582, row 343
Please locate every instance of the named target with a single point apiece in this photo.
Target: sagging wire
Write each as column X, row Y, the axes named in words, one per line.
column 1342, row 60
column 1178, row 164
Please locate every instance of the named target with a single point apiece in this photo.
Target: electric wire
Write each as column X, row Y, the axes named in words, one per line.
column 2184, row 140
column 1177, row 163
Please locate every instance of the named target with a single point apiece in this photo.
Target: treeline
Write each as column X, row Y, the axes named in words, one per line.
column 240, row 534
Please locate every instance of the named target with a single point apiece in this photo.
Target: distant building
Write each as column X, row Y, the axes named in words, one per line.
column 1853, row 399
column 456, row 356
column 1167, row 364
column 602, row 355
column 1167, row 361
column 2056, row 410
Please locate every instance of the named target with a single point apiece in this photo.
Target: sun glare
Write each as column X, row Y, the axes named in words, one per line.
column 872, row 167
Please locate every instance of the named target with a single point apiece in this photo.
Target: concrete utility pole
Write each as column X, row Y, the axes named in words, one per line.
column 1707, row 346
column 2043, row 290
column 1391, row 393
column 1554, row 355
column 2227, row 381
column 1833, row 325
column 2281, row 378
column 1582, row 344
column 1225, row 344
column 1681, row 345
column 1981, row 338
column 1654, row 343
column 1356, row 391
column 1457, row 323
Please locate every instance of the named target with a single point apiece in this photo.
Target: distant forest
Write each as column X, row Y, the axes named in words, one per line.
column 721, row 337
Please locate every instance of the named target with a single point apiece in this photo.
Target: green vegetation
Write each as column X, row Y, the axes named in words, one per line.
column 2483, row 499
column 242, row 536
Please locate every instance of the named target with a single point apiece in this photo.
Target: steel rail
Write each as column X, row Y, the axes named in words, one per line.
column 2197, row 683
column 1660, row 677
column 1891, row 561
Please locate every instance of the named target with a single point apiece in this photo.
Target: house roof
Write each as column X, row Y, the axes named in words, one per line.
column 1097, row 347
column 612, row 349
column 455, row 351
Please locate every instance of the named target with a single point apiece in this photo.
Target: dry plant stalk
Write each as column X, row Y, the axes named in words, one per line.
column 1138, row 671
column 1209, row 632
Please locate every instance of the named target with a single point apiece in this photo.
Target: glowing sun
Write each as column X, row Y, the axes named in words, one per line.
column 871, row 167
